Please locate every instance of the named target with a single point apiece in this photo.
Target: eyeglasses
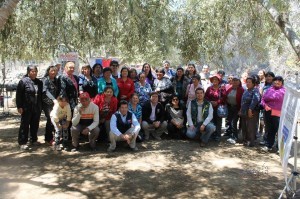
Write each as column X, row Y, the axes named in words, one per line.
column 230, row 78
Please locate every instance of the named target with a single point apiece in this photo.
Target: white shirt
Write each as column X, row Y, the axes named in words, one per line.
column 199, row 116
column 152, row 116
column 113, row 124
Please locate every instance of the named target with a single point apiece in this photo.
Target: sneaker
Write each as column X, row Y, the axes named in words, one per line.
column 262, row 142
column 74, row 149
column 266, row 149
column 231, row 141
column 24, row 147
column 134, row 149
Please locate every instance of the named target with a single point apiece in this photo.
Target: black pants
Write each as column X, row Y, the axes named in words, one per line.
column 249, row 127
column 218, row 123
column 272, row 125
column 29, row 119
column 49, row 126
column 232, row 119
column 175, row 132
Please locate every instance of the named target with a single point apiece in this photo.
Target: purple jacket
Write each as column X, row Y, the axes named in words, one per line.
column 273, row 98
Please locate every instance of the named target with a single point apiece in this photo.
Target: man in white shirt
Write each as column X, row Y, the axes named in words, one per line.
column 199, row 116
column 85, row 121
column 123, row 127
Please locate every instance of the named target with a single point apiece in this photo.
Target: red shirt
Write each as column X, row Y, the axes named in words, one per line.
column 218, row 95
column 125, row 87
column 106, row 109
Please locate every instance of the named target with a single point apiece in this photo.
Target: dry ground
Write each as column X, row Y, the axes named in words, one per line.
column 161, row 169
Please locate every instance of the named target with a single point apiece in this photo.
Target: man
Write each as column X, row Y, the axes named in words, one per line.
column 114, row 65
column 85, row 121
column 205, row 71
column 221, row 73
column 123, row 127
column 199, row 116
column 169, row 73
column 153, row 117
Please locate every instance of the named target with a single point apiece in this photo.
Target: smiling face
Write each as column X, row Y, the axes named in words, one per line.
column 159, row 75
column 124, row 73
column 249, row 84
column 69, row 68
column 86, row 71
column 277, row 83
column 109, row 92
column 147, row 68
column 123, row 109
column 135, row 99
column 32, row 73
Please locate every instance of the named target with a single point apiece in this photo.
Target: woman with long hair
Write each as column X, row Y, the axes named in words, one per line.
column 176, row 117
column 50, row 93
column 97, row 71
column 190, row 71
column 106, row 81
column 150, row 77
column 180, row 84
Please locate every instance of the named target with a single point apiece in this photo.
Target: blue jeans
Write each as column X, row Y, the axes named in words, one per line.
column 209, row 129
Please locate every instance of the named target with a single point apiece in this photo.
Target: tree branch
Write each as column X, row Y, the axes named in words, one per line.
column 6, row 10
column 282, row 21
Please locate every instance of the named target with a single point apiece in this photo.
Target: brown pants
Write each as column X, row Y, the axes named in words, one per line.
column 250, row 127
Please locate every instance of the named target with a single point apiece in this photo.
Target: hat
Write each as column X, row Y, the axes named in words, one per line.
column 215, row 76
column 84, row 95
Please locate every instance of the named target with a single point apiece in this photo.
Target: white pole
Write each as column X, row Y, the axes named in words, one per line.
column 295, row 157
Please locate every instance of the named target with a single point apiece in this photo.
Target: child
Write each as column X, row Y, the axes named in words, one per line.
column 61, row 118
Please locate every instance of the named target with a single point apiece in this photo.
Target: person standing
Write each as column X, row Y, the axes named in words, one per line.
column 125, row 85
column 169, row 73
column 50, row 93
column 29, row 105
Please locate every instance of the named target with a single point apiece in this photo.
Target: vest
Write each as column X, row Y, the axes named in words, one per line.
column 123, row 127
column 194, row 110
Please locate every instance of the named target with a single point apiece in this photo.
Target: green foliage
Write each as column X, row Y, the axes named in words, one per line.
column 140, row 30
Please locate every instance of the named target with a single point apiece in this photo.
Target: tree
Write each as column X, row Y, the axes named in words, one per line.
column 6, row 10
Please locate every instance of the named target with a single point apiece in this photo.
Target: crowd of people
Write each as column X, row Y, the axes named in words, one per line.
column 119, row 104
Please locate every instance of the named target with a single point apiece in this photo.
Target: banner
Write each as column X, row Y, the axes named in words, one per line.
column 287, row 126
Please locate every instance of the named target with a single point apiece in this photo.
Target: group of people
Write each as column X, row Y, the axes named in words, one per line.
column 105, row 104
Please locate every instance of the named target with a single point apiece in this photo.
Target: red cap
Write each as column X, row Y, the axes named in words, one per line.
column 84, row 95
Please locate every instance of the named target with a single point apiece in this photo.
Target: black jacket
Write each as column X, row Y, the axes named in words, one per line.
column 27, row 97
column 159, row 112
column 68, row 89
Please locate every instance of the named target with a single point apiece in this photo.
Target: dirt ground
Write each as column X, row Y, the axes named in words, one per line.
column 161, row 169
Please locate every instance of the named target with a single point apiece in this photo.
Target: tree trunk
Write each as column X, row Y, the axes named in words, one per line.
column 6, row 10
column 283, row 23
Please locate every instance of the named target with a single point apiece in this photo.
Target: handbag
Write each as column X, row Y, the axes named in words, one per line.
column 222, row 110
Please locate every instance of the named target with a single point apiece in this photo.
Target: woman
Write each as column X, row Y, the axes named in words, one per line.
column 135, row 108
column 87, row 82
column 143, row 89
column 29, row 105
column 180, row 83
column 216, row 94
column 190, row 91
column 50, row 93
column 150, row 77
column 107, row 104
column 107, row 80
column 97, row 71
column 176, row 116
column 133, row 75
column 234, row 96
column 125, row 85
column 268, row 83
column 272, row 103
column 249, row 111
column 190, row 72
column 69, row 85
column 163, row 86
